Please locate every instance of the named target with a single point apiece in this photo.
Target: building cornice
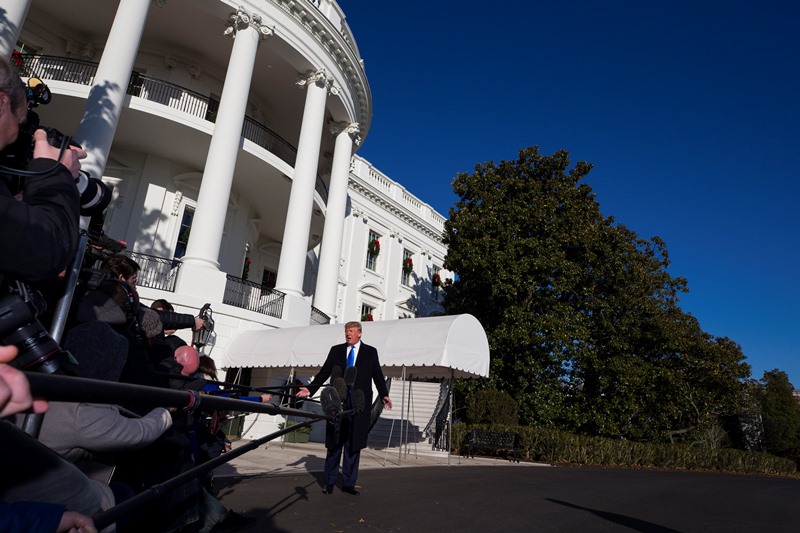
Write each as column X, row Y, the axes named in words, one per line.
column 389, row 205
column 342, row 52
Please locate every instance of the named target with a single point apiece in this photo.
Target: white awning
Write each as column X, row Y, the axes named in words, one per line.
column 426, row 347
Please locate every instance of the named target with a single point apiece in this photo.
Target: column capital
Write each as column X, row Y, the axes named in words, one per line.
column 242, row 19
column 319, row 78
column 351, row 128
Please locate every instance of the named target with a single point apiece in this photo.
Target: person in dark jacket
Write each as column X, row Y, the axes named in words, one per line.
column 39, row 222
column 353, row 432
column 39, row 216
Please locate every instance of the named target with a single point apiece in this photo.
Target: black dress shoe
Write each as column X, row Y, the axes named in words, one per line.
column 350, row 490
column 328, row 489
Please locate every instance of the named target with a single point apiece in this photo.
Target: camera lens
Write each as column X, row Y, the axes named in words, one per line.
column 95, row 195
column 37, row 350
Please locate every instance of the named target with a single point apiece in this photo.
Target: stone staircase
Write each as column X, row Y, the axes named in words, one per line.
column 415, row 413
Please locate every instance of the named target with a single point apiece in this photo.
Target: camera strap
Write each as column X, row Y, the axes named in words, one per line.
column 132, row 308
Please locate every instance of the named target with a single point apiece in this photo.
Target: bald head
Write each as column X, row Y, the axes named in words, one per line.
column 187, row 357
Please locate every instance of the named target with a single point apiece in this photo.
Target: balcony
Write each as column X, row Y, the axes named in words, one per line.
column 161, row 274
column 253, row 297
column 54, row 68
column 157, row 273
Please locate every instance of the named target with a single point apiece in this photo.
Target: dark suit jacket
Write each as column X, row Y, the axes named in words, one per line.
column 368, row 372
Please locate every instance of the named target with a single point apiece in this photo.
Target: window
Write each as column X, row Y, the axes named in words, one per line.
column 27, row 48
column 268, row 279
column 367, row 313
column 373, row 250
column 407, row 268
column 135, row 84
column 183, row 233
column 247, row 263
column 436, row 277
column 213, row 108
column 20, row 59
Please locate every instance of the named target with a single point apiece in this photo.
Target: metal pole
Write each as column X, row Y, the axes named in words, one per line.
column 71, row 389
column 32, row 423
column 402, row 417
column 450, row 420
column 110, row 516
column 411, row 416
column 62, row 307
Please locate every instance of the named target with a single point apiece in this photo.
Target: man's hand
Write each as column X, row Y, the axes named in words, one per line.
column 199, row 324
column 72, row 522
column 387, row 403
column 8, row 353
column 70, row 158
column 302, row 392
column 15, row 393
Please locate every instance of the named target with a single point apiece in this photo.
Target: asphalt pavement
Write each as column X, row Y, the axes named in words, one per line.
column 281, row 487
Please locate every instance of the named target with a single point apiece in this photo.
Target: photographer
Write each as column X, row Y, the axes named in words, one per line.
column 39, row 215
column 40, row 223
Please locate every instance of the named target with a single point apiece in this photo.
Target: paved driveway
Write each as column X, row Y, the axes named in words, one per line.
column 517, row 498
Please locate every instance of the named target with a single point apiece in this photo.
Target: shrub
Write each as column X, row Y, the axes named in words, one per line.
column 554, row 446
column 492, row 406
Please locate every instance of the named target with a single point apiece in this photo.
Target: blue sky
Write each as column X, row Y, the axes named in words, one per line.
column 688, row 110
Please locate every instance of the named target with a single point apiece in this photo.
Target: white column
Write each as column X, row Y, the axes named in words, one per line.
column 212, row 201
column 292, row 264
column 104, row 104
column 14, row 15
column 328, row 275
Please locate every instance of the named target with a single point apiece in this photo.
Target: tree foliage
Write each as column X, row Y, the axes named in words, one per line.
column 582, row 315
column 490, row 406
column 780, row 413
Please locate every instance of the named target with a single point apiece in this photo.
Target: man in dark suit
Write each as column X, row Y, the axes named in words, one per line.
column 352, row 435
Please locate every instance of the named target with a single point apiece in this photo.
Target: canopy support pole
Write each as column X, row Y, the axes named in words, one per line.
column 411, row 416
column 450, row 419
column 402, row 417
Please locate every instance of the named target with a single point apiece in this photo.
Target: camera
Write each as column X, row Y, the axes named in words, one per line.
column 20, row 327
column 14, row 158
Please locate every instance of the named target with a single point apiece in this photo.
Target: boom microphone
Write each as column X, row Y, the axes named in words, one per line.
column 337, row 382
column 350, row 376
column 331, row 402
column 358, row 400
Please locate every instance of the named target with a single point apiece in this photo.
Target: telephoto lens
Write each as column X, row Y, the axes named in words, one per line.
column 95, row 195
column 19, row 326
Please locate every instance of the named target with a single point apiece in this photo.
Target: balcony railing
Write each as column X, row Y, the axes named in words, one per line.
column 158, row 91
column 318, row 317
column 156, row 272
column 251, row 296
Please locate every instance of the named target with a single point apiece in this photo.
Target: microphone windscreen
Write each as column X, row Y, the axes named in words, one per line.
column 336, row 372
column 340, row 386
column 331, row 401
column 350, row 376
column 358, row 400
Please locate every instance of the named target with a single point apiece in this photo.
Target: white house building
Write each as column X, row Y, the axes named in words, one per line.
column 227, row 131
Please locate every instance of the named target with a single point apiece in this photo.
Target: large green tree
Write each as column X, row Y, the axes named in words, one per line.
column 780, row 413
column 582, row 316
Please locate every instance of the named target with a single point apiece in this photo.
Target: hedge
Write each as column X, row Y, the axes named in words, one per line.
column 554, row 446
